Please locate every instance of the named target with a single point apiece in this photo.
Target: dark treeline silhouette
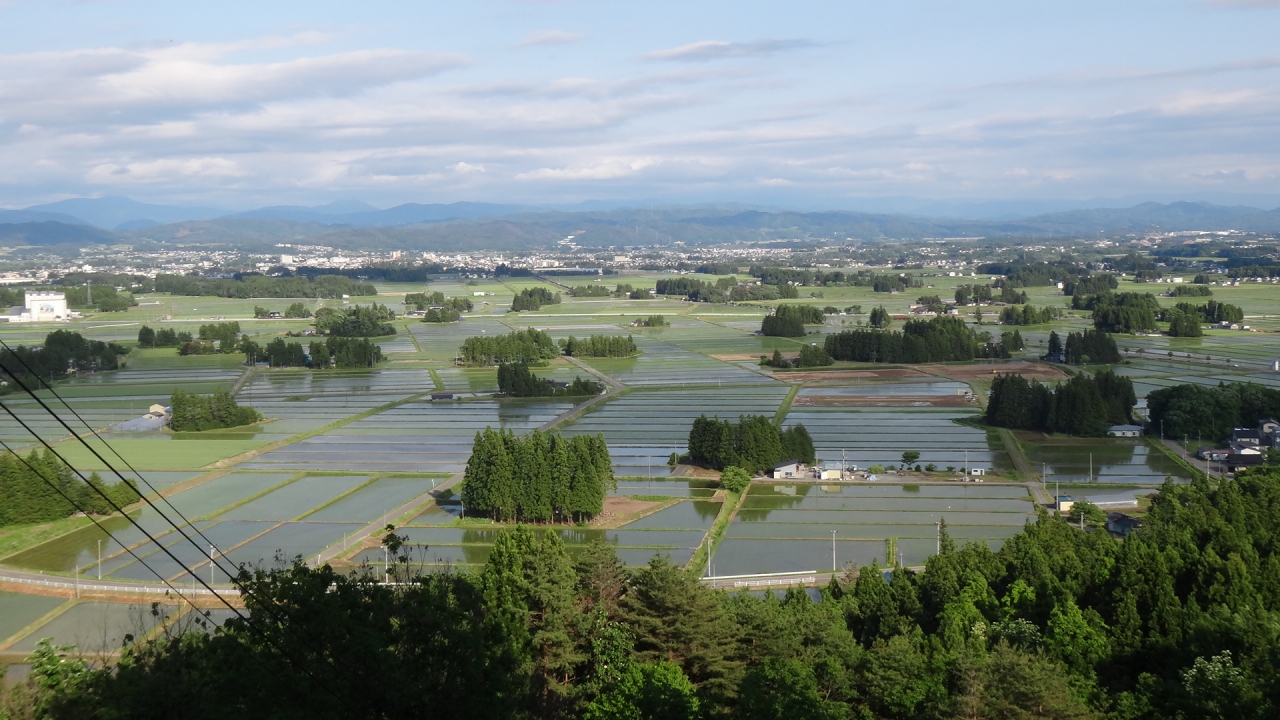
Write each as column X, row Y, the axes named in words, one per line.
column 360, row 321
column 533, row 299
column 1028, row 315
column 1088, row 347
column 541, row 477
column 614, row 346
column 517, row 380
column 192, row 412
column 753, row 443
column 164, row 337
column 63, row 351
column 789, row 320
column 1090, row 285
column 1126, row 312
column 1211, row 412
column 339, row 352
column 331, row 287
column 28, row 497
column 1082, row 405
column 935, row 340
column 517, row 346
column 1212, row 312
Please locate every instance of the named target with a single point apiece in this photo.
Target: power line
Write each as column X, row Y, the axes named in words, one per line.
column 116, row 507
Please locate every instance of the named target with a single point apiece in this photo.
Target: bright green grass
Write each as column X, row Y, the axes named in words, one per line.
column 156, row 455
column 169, row 359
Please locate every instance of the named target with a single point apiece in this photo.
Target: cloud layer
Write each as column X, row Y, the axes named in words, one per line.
column 313, row 115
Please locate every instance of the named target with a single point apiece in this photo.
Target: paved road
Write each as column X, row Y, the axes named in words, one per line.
column 68, row 586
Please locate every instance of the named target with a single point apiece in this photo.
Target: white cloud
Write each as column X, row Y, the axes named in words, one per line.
column 165, row 169
column 548, row 37
column 718, row 50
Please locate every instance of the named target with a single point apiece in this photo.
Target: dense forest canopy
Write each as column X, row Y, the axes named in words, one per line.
column 1210, row 412
column 1180, row 620
column 753, row 443
column 1083, row 405
column 63, row 351
column 360, row 321
column 516, row 380
column 533, row 299
column 192, row 412
column 789, row 320
column 25, row 485
column 525, row 346
column 540, row 477
column 611, row 346
column 919, row 341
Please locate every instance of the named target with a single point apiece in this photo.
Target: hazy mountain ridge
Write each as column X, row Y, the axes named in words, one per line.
column 514, row 227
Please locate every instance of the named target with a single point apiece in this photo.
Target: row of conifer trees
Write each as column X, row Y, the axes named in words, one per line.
column 541, row 477
column 28, row 498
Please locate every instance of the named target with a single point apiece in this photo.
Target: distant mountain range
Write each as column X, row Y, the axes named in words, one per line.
column 473, row 226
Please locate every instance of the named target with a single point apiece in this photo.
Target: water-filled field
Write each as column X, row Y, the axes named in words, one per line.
column 18, row 610
column 1114, row 460
column 786, row 528
column 417, row 437
column 644, row 428
column 663, row 364
column 879, row 437
column 96, row 627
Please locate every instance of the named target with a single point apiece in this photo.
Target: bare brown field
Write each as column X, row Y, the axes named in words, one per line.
column 1031, row 371
column 837, row 375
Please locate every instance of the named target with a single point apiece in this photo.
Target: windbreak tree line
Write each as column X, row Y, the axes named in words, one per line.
column 1212, row 312
column 63, row 351
column 226, row 334
column 525, row 346
column 1126, row 312
column 724, row 290
column 1083, row 348
column 339, row 352
column 789, row 320
column 1211, row 412
column 1190, row 291
column 192, row 412
column 360, row 321
column 164, row 337
column 540, row 478
column 1028, row 315
column 1081, row 406
column 105, row 297
column 809, row 356
column 517, row 380
column 424, row 300
column 1179, row 621
column 28, row 497
column 581, row 291
column 753, row 443
column 533, row 299
column 982, row 294
column 293, row 311
column 935, row 340
column 652, row 321
column 331, row 287
column 610, row 346
column 1090, row 285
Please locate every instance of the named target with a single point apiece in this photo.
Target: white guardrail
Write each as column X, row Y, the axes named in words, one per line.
column 767, row 579
column 113, row 588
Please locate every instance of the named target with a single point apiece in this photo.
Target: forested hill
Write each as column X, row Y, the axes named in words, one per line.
column 1181, row 620
column 509, row 227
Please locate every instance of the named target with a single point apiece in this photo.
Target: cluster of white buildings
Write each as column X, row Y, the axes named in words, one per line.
column 40, row 307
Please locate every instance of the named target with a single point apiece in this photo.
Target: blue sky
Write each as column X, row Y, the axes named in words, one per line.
column 239, row 104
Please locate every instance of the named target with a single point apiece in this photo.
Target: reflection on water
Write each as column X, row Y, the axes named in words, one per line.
column 1115, row 460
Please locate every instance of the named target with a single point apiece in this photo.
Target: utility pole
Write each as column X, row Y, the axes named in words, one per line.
column 833, row 551
column 211, row 565
column 99, row 558
column 1090, row 467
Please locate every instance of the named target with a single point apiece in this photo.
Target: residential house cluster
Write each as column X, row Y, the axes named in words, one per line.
column 1248, row 446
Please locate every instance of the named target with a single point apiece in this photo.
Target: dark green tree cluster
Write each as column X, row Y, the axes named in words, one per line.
column 614, row 346
column 1212, row 312
column 347, row 352
column 333, row 351
column 583, row 291
column 198, row 347
column 810, row 356
column 983, row 294
column 297, row 310
column 1190, row 291
column 920, row 341
column 441, row 315
column 879, row 318
column 652, row 321
column 105, row 298
column 164, row 337
column 1028, row 315
column 1178, row 621
column 278, row 353
column 1090, row 285
column 1012, row 341
column 1089, row 347
column 360, row 321
column 1182, row 324
column 63, row 351
column 1033, row 273
column 331, row 287
column 753, row 443
column 932, row 303
column 789, row 320
column 541, row 477
column 1210, row 412
column 192, row 412
column 516, row 380
column 226, row 334
column 533, row 299
column 423, row 301
column 1126, row 312
column 894, row 283
column 1083, row 405
column 517, row 346
column 28, row 497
